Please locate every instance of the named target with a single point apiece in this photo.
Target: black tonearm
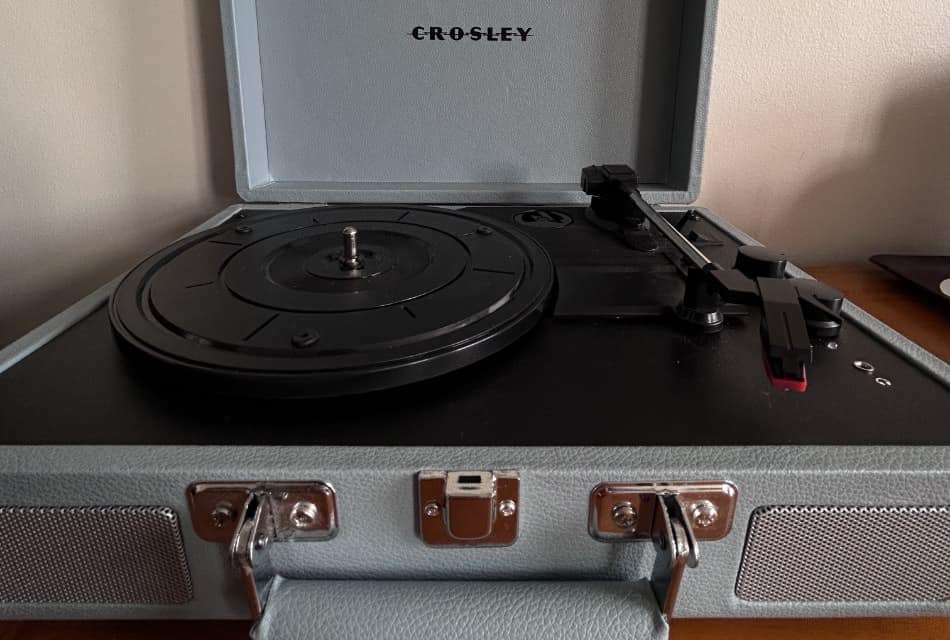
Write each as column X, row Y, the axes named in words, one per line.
column 793, row 309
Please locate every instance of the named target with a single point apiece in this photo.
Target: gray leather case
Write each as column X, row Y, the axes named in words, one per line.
column 338, row 102
column 308, row 610
column 334, row 102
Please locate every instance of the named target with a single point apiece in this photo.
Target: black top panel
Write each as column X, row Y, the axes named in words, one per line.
column 570, row 382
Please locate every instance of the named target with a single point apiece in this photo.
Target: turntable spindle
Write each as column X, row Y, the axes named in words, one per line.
column 350, row 258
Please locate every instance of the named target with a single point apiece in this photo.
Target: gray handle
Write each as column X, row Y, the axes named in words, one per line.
column 345, row 609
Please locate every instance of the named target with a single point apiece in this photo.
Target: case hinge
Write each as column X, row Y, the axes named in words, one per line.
column 249, row 516
column 673, row 515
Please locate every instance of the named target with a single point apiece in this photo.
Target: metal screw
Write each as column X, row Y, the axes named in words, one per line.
column 884, row 382
column 432, row 509
column 303, row 515
column 222, row 514
column 243, row 229
column 260, row 541
column 703, row 513
column 832, row 345
column 484, row 231
column 507, row 508
column 861, row 365
column 625, row 515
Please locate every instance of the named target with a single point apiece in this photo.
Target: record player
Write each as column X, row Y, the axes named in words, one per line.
column 467, row 363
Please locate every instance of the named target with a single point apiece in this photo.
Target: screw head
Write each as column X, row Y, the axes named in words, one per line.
column 832, row 345
column 625, row 515
column 303, row 515
column 884, row 382
column 507, row 508
column 261, row 541
column 222, row 513
column 703, row 513
column 242, row 229
column 432, row 509
column 484, row 231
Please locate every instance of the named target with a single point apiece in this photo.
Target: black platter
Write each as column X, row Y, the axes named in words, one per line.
column 333, row 300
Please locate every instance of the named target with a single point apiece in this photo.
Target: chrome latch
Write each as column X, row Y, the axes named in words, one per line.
column 249, row 516
column 468, row 508
column 673, row 515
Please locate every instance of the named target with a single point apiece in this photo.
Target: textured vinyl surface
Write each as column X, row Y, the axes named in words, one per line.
column 832, row 553
column 108, row 555
column 639, row 68
column 312, row 610
column 377, row 540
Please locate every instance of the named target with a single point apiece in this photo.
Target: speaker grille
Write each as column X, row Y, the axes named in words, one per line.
column 101, row 554
column 841, row 554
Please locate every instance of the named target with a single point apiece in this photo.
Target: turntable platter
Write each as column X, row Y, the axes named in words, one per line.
column 334, row 300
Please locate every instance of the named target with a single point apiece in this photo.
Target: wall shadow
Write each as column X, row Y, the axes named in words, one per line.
column 893, row 199
column 214, row 85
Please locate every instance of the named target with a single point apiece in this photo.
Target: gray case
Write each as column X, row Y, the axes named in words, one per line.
column 338, row 102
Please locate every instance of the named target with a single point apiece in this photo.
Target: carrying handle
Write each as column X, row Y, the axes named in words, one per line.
column 673, row 515
column 460, row 610
column 670, row 530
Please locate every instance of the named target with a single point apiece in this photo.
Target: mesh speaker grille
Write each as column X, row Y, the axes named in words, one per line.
column 841, row 554
column 105, row 555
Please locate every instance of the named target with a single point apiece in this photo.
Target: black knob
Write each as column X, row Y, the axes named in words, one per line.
column 826, row 295
column 820, row 323
column 760, row 262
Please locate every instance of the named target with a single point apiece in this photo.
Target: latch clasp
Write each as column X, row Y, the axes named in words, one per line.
column 673, row 515
column 468, row 508
column 250, row 516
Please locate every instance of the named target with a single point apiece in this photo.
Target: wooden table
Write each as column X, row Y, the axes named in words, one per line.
column 924, row 319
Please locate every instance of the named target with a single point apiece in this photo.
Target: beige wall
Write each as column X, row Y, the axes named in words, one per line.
column 829, row 134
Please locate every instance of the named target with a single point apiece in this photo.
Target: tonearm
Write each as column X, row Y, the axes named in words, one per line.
column 793, row 309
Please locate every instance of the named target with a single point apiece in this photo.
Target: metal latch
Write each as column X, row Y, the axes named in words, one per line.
column 673, row 515
column 468, row 508
column 249, row 516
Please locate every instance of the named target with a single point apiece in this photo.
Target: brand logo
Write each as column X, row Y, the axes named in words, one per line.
column 475, row 34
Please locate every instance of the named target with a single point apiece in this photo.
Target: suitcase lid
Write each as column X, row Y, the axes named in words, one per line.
column 489, row 102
